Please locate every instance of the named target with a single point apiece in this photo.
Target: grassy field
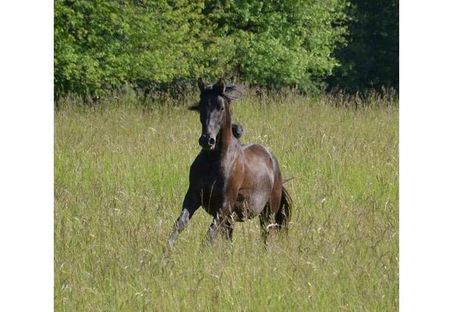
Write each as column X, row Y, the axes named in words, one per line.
column 121, row 172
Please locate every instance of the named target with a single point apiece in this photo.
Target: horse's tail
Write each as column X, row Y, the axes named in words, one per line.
column 283, row 215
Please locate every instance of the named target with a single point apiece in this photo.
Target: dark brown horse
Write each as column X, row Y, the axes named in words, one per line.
column 232, row 182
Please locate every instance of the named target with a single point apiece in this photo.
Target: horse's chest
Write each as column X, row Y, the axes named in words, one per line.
column 213, row 180
column 212, row 193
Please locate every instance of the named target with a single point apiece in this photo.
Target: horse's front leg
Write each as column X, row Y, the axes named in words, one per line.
column 190, row 205
column 213, row 229
column 223, row 220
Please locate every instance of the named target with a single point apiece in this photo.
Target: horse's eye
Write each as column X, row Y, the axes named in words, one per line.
column 222, row 107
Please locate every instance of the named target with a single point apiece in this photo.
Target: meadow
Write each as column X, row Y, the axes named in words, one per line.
column 121, row 171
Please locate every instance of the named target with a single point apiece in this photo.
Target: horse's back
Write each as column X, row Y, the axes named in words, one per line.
column 259, row 156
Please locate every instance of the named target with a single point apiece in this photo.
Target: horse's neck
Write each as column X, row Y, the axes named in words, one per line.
column 227, row 143
column 226, row 132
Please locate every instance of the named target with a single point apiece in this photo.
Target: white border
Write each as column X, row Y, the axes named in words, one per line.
column 426, row 156
column 26, row 163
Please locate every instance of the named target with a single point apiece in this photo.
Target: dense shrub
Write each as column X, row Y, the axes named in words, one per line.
column 102, row 45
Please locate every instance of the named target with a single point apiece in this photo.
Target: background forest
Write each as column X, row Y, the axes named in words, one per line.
column 311, row 46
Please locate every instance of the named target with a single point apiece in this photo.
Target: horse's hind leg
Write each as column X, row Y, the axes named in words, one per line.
column 283, row 215
column 281, row 220
column 265, row 221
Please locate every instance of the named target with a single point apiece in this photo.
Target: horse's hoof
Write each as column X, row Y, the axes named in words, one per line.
column 272, row 226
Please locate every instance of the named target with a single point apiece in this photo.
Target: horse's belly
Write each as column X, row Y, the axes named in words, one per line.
column 249, row 205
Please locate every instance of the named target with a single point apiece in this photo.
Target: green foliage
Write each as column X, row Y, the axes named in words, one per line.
column 283, row 43
column 103, row 45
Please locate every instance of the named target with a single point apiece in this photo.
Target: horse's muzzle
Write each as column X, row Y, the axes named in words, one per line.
column 207, row 142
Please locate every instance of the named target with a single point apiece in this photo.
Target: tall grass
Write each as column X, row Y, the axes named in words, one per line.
column 121, row 172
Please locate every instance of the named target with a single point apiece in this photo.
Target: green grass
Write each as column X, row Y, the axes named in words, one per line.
column 120, row 176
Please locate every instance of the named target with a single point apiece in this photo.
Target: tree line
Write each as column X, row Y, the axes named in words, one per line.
column 309, row 45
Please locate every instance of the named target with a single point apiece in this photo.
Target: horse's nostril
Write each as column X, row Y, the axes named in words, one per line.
column 211, row 141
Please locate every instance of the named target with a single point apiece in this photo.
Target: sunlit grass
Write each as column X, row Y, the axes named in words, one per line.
column 121, row 172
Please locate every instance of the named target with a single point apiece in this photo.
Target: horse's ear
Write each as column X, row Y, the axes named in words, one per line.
column 220, row 86
column 194, row 107
column 233, row 92
column 201, row 85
